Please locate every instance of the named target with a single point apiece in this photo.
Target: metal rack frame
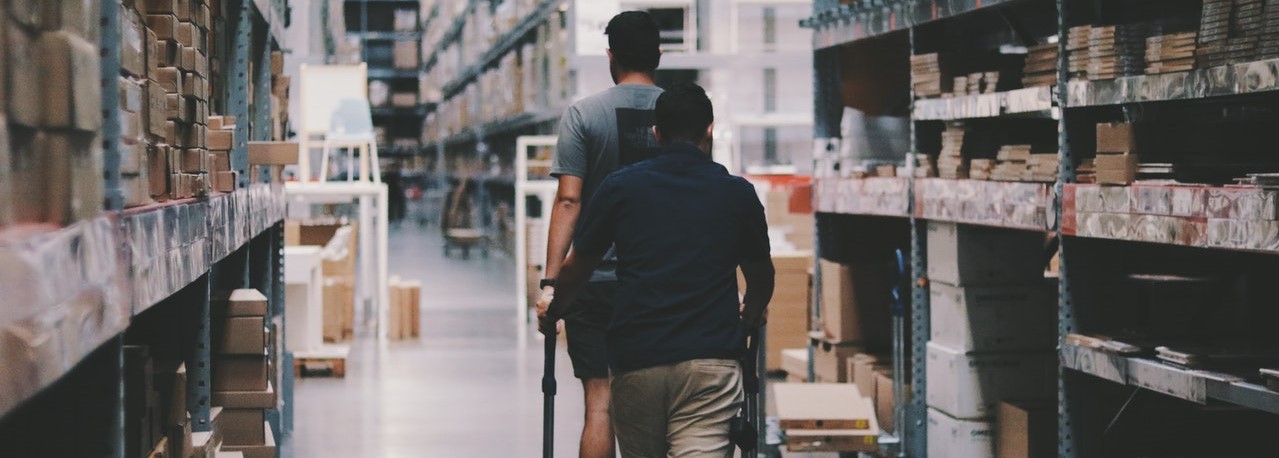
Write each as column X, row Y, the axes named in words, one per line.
column 172, row 256
column 835, row 25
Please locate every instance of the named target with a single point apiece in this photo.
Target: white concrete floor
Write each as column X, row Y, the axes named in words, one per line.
column 471, row 387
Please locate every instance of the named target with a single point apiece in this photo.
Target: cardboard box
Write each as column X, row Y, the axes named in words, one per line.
column 963, row 255
column 405, row 55
column 133, row 43
column 855, row 304
column 79, row 17
column 976, row 382
column 836, row 440
column 74, row 183
column 220, row 140
column 273, row 153
column 830, row 361
column 827, row 406
column 884, row 400
column 179, row 437
column 246, row 399
column 170, row 383
column 224, row 122
column 138, row 400
column 864, row 368
column 241, row 335
column 71, row 92
column 266, row 450
column 1026, row 430
column 952, row 437
column 795, row 362
column 242, row 426
column 223, row 180
column 239, row 373
column 24, row 78
column 339, row 297
column 993, row 318
column 788, row 313
column 158, row 170
column 404, row 99
column 165, row 26
column 1116, row 138
column 241, row 302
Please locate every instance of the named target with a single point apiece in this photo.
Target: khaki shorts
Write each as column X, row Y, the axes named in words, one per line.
column 677, row 410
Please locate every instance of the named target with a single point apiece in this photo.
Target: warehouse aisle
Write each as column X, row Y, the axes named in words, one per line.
column 470, row 388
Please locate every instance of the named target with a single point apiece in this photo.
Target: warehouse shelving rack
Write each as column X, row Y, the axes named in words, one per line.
column 475, row 142
column 398, row 121
column 75, row 296
column 1099, row 393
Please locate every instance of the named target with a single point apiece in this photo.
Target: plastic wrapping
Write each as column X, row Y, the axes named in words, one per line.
column 884, row 196
column 1020, row 101
column 62, row 294
column 1234, row 217
column 1251, row 77
column 993, row 203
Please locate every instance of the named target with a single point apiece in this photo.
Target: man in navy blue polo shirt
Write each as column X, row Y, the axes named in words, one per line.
column 682, row 225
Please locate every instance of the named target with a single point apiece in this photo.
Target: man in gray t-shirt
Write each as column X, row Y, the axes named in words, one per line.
column 600, row 134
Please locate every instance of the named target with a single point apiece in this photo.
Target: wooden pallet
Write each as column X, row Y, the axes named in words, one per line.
column 327, row 361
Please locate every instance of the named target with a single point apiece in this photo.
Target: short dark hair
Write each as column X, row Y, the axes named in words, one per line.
column 683, row 113
column 633, row 39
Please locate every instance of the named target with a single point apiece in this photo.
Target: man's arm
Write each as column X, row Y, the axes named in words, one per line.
column 759, row 277
column 564, row 214
column 573, row 276
column 755, row 260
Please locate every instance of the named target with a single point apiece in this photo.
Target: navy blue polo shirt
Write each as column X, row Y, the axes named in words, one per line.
column 681, row 224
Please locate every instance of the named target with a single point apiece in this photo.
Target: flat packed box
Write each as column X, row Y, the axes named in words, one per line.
column 240, row 335
column 1026, row 430
column 788, row 316
column 963, row 255
column 241, row 302
column 266, row 450
column 246, row 399
column 242, row 426
column 826, row 406
column 240, row 373
column 855, row 303
column 970, row 385
column 273, row 153
column 950, row 437
column 993, row 318
column 1116, row 138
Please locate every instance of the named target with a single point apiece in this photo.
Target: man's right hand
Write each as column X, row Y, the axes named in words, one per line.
column 546, row 324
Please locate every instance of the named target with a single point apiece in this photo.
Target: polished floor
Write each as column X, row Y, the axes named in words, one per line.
column 471, row 387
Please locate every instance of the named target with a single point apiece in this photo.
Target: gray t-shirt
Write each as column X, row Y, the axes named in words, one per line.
column 602, row 133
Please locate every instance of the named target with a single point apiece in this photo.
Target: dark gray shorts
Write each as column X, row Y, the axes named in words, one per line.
column 587, row 329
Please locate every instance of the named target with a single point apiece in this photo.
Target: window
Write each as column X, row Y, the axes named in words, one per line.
column 770, row 90
column 770, row 28
column 770, row 146
column 676, row 21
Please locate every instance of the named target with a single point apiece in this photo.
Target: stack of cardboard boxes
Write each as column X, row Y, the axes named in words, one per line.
column 51, row 158
column 1117, row 159
column 221, row 139
column 992, row 336
column 179, row 65
column 242, row 373
column 155, row 400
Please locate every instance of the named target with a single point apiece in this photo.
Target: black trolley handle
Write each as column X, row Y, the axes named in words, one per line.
column 548, row 398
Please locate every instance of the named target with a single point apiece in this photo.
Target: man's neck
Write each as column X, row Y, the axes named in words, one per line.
column 639, row 78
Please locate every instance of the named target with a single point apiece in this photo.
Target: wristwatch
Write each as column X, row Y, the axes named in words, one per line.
column 546, row 282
